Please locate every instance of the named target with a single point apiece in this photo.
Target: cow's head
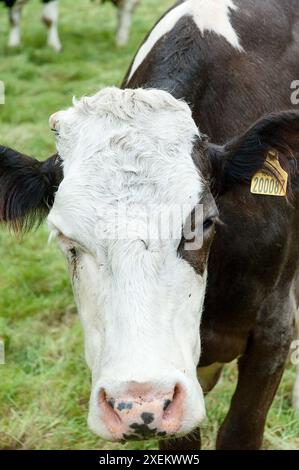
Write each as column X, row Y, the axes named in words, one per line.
column 128, row 161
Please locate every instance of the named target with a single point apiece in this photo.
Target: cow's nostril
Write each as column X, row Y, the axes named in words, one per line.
column 107, row 405
column 111, row 402
column 173, row 407
column 166, row 404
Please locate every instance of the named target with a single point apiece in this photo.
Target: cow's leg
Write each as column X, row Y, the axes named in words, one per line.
column 260, row 372
column 190, row 442
column 124, row 20
column 15, row 23
column 50, row 18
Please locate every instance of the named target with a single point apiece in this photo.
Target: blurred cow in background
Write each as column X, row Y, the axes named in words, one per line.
column 124, row 19
column 50, row 18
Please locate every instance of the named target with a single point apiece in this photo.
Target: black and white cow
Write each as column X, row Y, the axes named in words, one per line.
column 50, row 18
column 126, row 155
column 124, row 19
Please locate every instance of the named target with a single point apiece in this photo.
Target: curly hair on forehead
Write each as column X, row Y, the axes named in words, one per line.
column 130, row 103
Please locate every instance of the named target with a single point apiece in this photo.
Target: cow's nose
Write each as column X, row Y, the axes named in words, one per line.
column 142, row 412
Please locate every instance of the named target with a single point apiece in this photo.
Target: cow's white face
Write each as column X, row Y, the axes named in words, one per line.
column 139, row 300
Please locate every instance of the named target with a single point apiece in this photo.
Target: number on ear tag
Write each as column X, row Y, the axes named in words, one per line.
column 269, row 185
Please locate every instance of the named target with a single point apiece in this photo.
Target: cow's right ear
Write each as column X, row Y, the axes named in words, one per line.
column 27, row 188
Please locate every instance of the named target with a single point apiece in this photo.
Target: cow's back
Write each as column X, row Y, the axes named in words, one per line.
column 255, row 82
column 228, row 88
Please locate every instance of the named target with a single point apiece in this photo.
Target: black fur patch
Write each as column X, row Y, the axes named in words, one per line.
column 27, row 188
column 241, row 158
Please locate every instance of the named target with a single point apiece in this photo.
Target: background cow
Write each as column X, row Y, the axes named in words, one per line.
column 50, row 18
column 124, row 19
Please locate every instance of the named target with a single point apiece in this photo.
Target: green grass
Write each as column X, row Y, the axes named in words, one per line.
column 44, row 386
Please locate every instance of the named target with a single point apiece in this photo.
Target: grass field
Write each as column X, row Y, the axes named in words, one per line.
column 44, row 386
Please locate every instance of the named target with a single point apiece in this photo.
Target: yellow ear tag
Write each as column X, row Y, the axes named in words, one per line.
column 268, row 185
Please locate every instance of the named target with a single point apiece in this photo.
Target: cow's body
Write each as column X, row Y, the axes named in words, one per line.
column 253, row 269
column 50, row 18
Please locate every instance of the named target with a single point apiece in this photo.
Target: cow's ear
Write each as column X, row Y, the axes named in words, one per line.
column 27, row 188
column 239, row 160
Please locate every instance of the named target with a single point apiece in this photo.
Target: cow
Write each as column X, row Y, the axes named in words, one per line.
column 124, row 19
column 50, row 18
column 151, row 320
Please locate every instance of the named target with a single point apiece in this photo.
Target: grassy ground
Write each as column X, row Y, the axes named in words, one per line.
column 44, row 386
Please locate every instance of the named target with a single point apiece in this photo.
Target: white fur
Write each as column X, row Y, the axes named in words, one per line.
column 51, row 13
column 209, row 15
column 214, row 16
column 140, row 308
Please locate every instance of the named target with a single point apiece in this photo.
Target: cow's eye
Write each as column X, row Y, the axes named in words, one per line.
column 70, row 247
column 208, row 223
column 73, row 252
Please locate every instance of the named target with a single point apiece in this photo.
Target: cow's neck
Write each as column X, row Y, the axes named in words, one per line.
column 184, row 77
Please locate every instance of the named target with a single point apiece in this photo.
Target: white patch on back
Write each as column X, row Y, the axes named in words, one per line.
column 213, row 15
column 209, row 15
column 166, row 24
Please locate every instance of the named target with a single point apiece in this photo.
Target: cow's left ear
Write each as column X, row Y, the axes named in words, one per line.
column 239, row 160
